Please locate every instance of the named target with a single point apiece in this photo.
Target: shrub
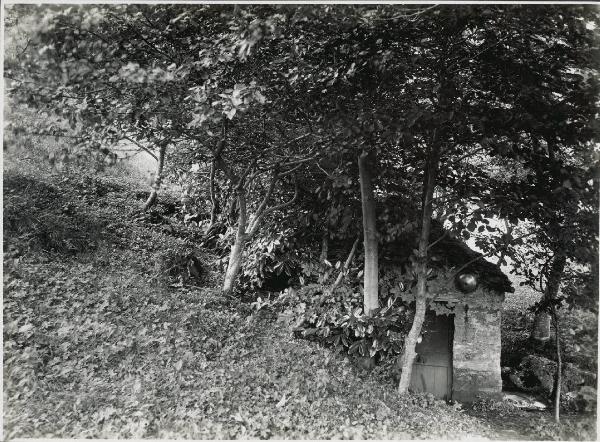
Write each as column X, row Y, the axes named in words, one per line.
column 569, row 429
column 335, row 318
column 179, row 262
column 272, row 261
column 586, row 399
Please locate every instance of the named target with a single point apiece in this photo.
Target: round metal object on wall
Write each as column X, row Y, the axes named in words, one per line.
column 466, row 282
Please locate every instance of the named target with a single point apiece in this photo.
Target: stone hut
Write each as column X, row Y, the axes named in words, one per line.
column 458, row 357
column 459, row 353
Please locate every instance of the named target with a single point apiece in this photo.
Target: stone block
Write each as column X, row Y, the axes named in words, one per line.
column 469, row 385
column 476, row 355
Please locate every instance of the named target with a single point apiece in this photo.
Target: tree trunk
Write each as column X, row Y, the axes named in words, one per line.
column 596, row 275
column 410, row 343
column 371, row 272
column 235, row 262
column 324, row 246
column 345, row 267
column 157, row 179
column 213, row 199
column 558, row 374
column 237, row 250
column 247, row 230
column 541, row 323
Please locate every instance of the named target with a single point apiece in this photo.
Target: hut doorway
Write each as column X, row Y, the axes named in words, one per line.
column 432, row 370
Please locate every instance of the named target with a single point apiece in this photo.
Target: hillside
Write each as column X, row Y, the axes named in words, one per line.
column 102, row 339
column 97, row 344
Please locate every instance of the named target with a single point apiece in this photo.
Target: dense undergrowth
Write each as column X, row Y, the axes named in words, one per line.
column 102, row 340
column 529, row 365
column 579, row 338
column 579, row 333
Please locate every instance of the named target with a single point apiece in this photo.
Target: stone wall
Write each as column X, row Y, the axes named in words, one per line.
column 476, row 348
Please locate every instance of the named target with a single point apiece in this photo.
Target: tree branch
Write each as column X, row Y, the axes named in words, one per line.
column 295, row 162
column 259, row 216
column 145, row 149
column 286, row 204
column 263, row 204
column 330, row 176
column 346, row 265
column 415, row 14
column 213, row 199
column 491, row 252
column 438, row 240
column 221, row 164
column 477, row 54
column 292, row 170
column 242, row 179
column 459, row 159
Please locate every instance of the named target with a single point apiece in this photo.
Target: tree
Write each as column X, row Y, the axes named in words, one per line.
column 499, row 87
column 553, row 188
column 371, row 272
column 114, row 76
column 263, row 162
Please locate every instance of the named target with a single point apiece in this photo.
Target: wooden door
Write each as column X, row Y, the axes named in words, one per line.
column 432, row 370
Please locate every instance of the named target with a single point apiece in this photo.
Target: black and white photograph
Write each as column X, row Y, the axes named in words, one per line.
column 271, row 220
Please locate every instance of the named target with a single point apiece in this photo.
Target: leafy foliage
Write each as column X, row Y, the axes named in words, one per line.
column 335, row 319
column 486, row 406
column 181, row 263
column 271, row 261
column 29, row 224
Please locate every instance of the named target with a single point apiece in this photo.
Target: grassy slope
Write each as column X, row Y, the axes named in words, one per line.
column 96, row 345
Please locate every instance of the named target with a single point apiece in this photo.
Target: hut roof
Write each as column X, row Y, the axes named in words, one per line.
column 448, row 252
